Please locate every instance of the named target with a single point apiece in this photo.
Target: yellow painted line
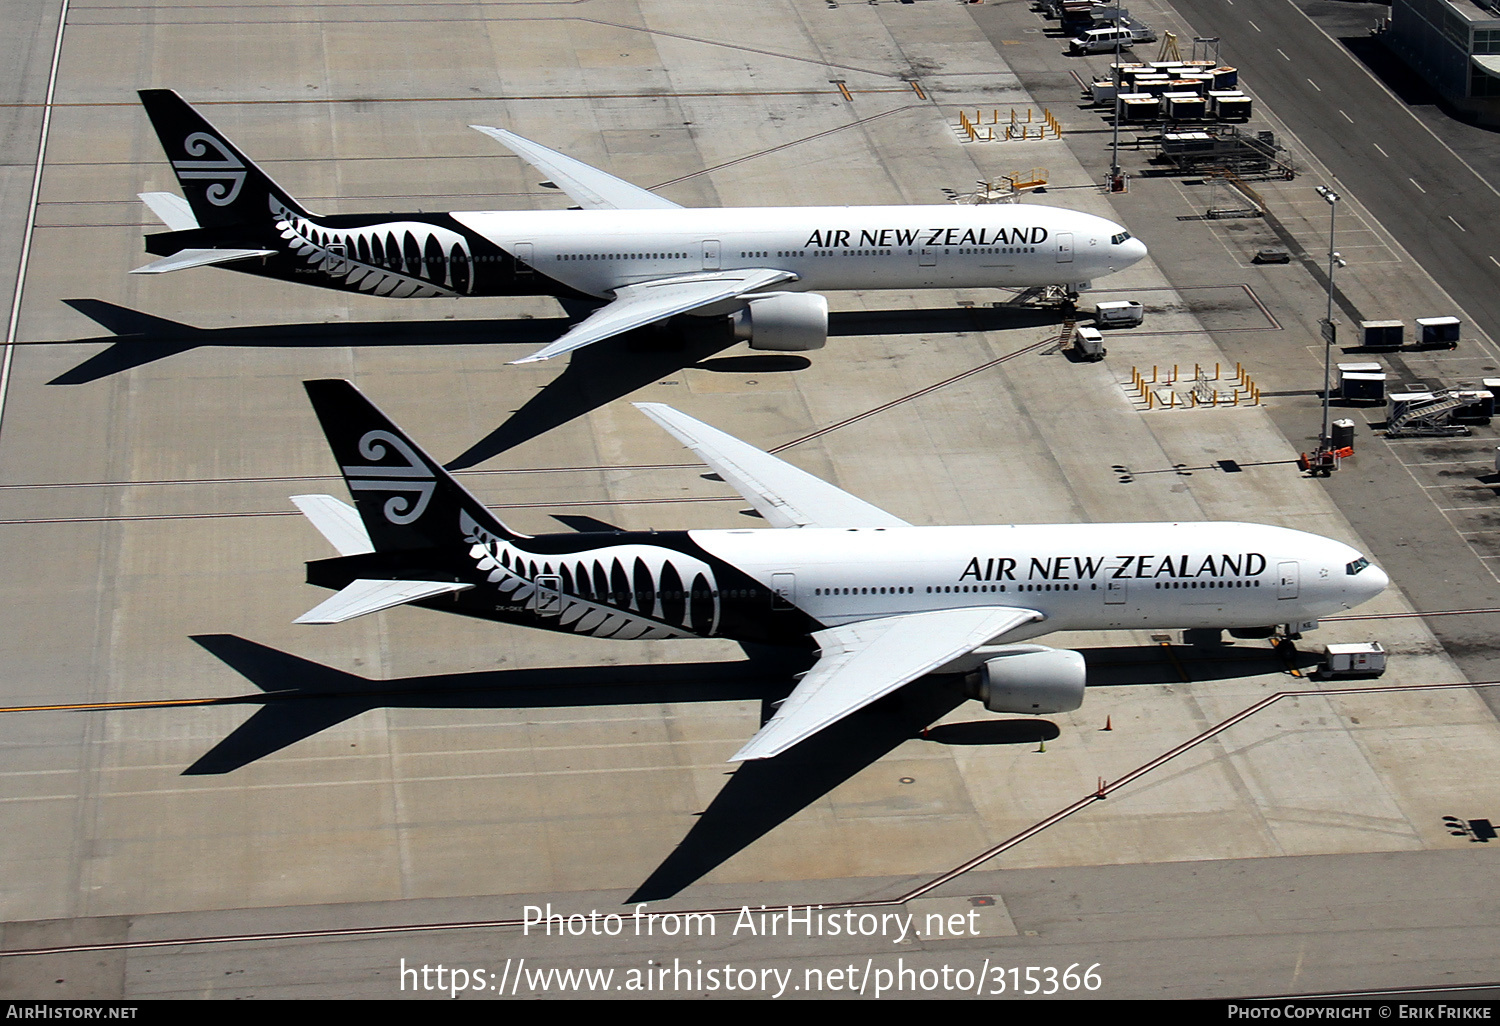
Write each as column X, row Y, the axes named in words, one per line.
column 96, row 706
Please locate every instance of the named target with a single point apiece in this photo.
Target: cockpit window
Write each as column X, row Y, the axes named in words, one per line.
column 1117, row 239
column 1355, row 567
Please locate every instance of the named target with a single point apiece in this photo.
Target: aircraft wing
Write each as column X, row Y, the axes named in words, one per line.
column 861, row 662
column 366, row 596
column 183, row 259
column 590, row 188
column 781, row 493
column 636, row 306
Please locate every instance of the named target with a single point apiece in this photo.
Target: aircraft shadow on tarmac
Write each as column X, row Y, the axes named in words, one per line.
column 301, row 698
column 591, row 377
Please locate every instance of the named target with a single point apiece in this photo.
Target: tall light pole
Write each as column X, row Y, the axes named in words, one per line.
column 1114, row 160
column 1332, row 199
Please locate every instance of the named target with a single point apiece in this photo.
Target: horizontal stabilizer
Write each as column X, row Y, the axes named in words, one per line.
column 362, row 596
column 183, row 259
column 786, row 496
column 590, row 188
column 174, row 211
column 338, row 521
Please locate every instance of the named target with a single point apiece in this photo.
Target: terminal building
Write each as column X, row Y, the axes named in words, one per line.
column 1455, row 46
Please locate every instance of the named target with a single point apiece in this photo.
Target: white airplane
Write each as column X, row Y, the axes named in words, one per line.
column 644, row 257
column 885, row 602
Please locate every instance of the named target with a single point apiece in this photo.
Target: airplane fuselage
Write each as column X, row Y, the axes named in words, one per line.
column 778, row 586
column 593, row 253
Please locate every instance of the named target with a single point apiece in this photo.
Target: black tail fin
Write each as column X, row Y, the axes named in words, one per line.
column 223, row 187
column 405, row 498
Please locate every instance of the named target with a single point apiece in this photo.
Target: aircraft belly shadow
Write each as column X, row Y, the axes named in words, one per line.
column 593, row 376
column 301, row 698
column 140, row 338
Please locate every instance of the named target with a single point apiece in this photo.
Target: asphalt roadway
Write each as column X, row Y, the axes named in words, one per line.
column 1441, row 208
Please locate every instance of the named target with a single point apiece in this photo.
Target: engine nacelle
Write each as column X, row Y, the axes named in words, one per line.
column 784, row 322
column 1030, row 679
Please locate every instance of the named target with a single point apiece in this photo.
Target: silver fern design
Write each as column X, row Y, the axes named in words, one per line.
column 400, row 259
column 625, row 592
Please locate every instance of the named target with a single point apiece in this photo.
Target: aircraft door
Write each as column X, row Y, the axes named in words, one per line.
column 338, row 263
column 1289, row 580
column 1065, row 247
column 927, row 257
column 710, row 254
column 1114, row 593
column 524, row 257
column 548, row 595
column 784, row 588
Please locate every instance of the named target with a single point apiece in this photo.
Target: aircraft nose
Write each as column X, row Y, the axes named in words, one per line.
column 1377, row 582
column 1132, row 250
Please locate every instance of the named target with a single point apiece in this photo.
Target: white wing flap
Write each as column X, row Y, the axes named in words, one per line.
column 186, row 258
column 590, row 188
column 636, row 306
column 337, row 521
column 781, row 493
column 173, row 210
column 864, row 661
column 363, row 596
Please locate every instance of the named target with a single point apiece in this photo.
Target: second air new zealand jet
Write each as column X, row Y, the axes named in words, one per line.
column 884, row 602
column 644, row 257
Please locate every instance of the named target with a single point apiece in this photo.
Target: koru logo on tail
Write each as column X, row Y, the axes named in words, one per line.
column 227, row 173
column 415, row 480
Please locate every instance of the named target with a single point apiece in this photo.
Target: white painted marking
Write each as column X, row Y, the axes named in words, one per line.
column 36, row 191
column 1316, row 86
column 1283, row 54
column 1382, row 152
column 1495, row 262
column 1419, row 188
column 1347, row 118
column 1456, row 224
column 1253, row 25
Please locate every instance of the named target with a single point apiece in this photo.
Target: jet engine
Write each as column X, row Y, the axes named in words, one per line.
column 1030, row 679
column 783, row 322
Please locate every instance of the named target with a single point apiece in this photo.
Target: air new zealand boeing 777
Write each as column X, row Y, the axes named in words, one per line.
column 642, row 256
column 884, row 602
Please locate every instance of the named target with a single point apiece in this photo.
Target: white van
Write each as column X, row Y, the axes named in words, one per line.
column 1103, row 40
column 1123, row 313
